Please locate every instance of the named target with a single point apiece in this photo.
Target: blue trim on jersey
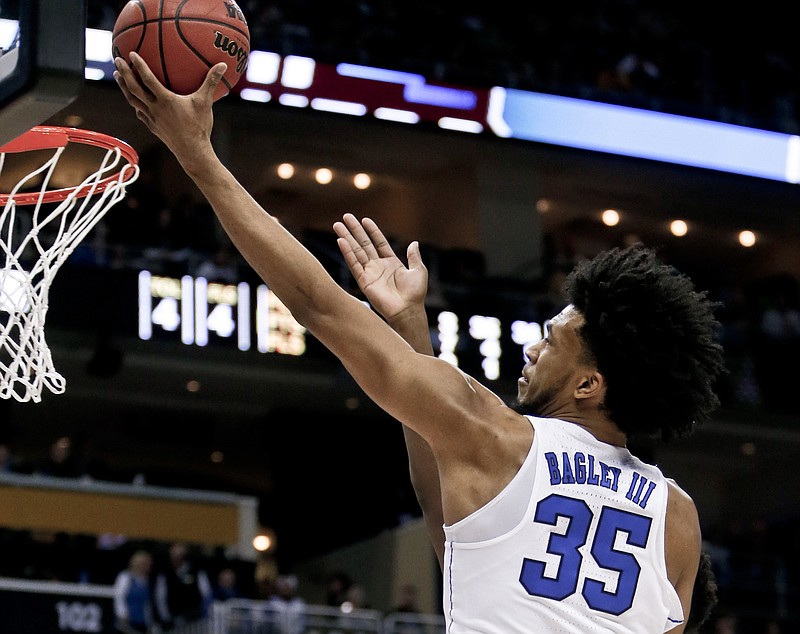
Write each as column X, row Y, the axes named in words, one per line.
column 450, row 575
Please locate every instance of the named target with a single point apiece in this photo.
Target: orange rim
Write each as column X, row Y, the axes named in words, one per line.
column 54, row 137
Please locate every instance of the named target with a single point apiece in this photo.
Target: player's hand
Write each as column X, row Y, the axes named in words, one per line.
column 389, row 286
column 180, row 121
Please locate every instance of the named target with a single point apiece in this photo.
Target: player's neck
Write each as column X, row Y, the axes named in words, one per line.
column 602, row 428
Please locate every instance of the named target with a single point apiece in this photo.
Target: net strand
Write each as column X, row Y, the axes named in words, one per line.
column 32, row 257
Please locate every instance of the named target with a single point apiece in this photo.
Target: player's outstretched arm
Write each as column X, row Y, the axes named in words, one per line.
column 398, row 294
column 184, row 124
column 339, row 320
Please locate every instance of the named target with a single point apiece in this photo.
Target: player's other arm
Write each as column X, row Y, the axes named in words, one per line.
column 422, row 467
column 398, row 293
column 682, row 545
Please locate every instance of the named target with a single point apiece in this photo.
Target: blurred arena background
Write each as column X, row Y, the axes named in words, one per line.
column 253, row 411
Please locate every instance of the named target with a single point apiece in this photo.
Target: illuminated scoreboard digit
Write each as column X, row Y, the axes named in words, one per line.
column 486, row 333
column 276, row 329
column 200, row 312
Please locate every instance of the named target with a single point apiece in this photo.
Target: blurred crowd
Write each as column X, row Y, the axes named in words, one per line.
column 731, row 66
column 161, row 587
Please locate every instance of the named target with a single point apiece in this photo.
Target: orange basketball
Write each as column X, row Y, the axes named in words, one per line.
column 181, row 39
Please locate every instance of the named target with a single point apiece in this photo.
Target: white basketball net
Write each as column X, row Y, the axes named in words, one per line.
column 35, row 240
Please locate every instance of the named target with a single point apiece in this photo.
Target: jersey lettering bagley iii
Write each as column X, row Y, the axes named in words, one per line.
column 574, row 543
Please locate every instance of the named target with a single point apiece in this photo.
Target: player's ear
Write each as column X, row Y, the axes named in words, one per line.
column 590, row 384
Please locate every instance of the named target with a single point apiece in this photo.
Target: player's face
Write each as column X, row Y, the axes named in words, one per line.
column 550, row 376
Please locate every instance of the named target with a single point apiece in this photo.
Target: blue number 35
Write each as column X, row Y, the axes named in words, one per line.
column 565, row 583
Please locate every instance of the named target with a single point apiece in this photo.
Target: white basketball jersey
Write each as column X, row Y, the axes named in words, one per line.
column 574, row 543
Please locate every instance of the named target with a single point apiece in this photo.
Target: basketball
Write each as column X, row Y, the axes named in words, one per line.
column 182, row 39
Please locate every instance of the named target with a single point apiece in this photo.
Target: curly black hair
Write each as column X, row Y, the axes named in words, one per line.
column 654, row 338
column 704, row 596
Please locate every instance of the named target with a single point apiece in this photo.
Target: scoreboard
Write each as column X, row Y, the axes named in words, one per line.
column 250, row 317
column 198, row 311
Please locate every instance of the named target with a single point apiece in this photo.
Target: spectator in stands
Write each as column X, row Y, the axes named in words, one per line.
column 8, row 463
column 357, row 597
column 227, row 585
column 338, row 583
column 726, row 624
column 265, row 576
column 133, row 595
column 355, row 600
column 637, row 73
column 183, row 591
column 61, row 460
column 407, row 601
column 407, row 605
column 287, row 609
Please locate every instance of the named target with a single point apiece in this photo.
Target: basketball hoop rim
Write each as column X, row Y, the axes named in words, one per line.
column 54, row 137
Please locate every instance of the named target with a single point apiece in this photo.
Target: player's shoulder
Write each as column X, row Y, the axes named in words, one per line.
column 678, row 493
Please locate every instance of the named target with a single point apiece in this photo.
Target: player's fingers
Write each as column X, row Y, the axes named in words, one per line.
column 212, row 79
column 127, row 81
column 359, row 240
column 353, row 246
column 148, row 79
column 138, row 105
column 377, row 240
column 343, row 232
column 349, row 257
column 339, row 229
column 345, row 242
column 145, row 118
column 415, row 257
column 123, row 86
column 132, row 84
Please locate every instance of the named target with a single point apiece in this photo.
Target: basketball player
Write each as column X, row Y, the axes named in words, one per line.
column 551, row 524
column 398, row 293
